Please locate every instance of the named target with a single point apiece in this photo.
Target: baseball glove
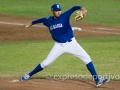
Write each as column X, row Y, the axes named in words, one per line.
column 79, row 15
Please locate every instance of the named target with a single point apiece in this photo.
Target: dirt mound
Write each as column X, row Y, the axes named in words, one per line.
column 51, row 84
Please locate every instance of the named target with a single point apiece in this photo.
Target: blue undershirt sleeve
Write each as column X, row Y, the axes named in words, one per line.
column 41, row 20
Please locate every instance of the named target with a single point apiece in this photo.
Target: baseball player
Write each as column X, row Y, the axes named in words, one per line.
column 65, row 42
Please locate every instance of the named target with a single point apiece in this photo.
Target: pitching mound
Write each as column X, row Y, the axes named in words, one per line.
column 50, row 84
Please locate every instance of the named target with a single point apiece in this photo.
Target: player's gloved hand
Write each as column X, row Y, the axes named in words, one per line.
column 28, row 25
column 80, row 15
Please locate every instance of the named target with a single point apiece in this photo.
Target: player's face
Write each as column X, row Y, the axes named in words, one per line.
column 56, row 14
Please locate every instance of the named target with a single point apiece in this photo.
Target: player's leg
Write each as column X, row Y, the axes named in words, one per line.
column 80, row 53
column 56, row 51
column 76, row 50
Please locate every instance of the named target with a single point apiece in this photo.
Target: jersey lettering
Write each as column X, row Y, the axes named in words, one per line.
column 56, row 26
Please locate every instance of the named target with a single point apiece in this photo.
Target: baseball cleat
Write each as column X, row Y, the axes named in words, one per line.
column 26, row 77
column 102, row 81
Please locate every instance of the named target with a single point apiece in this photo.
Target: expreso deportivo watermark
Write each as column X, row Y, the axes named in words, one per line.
column 80, row 77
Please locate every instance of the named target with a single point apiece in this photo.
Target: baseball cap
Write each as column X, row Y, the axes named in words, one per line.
column 56, row 7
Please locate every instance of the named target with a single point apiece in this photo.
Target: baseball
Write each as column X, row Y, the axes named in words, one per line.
column 26, row 26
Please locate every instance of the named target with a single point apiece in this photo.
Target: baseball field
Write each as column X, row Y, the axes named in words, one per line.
column 21, row 49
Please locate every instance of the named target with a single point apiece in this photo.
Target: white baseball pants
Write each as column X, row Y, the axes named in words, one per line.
column 69, row 47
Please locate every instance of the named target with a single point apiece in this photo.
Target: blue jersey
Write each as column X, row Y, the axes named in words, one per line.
column 60, row 28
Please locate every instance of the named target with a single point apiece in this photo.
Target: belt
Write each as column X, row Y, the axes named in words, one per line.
column 66, row 40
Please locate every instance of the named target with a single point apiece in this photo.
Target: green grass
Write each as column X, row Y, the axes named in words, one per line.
column 105, row 12
column 18, row 58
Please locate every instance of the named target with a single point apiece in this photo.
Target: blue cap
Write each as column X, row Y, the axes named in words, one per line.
column 56, row 7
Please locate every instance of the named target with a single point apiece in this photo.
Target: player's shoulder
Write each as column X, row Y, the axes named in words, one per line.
column 50, row 18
